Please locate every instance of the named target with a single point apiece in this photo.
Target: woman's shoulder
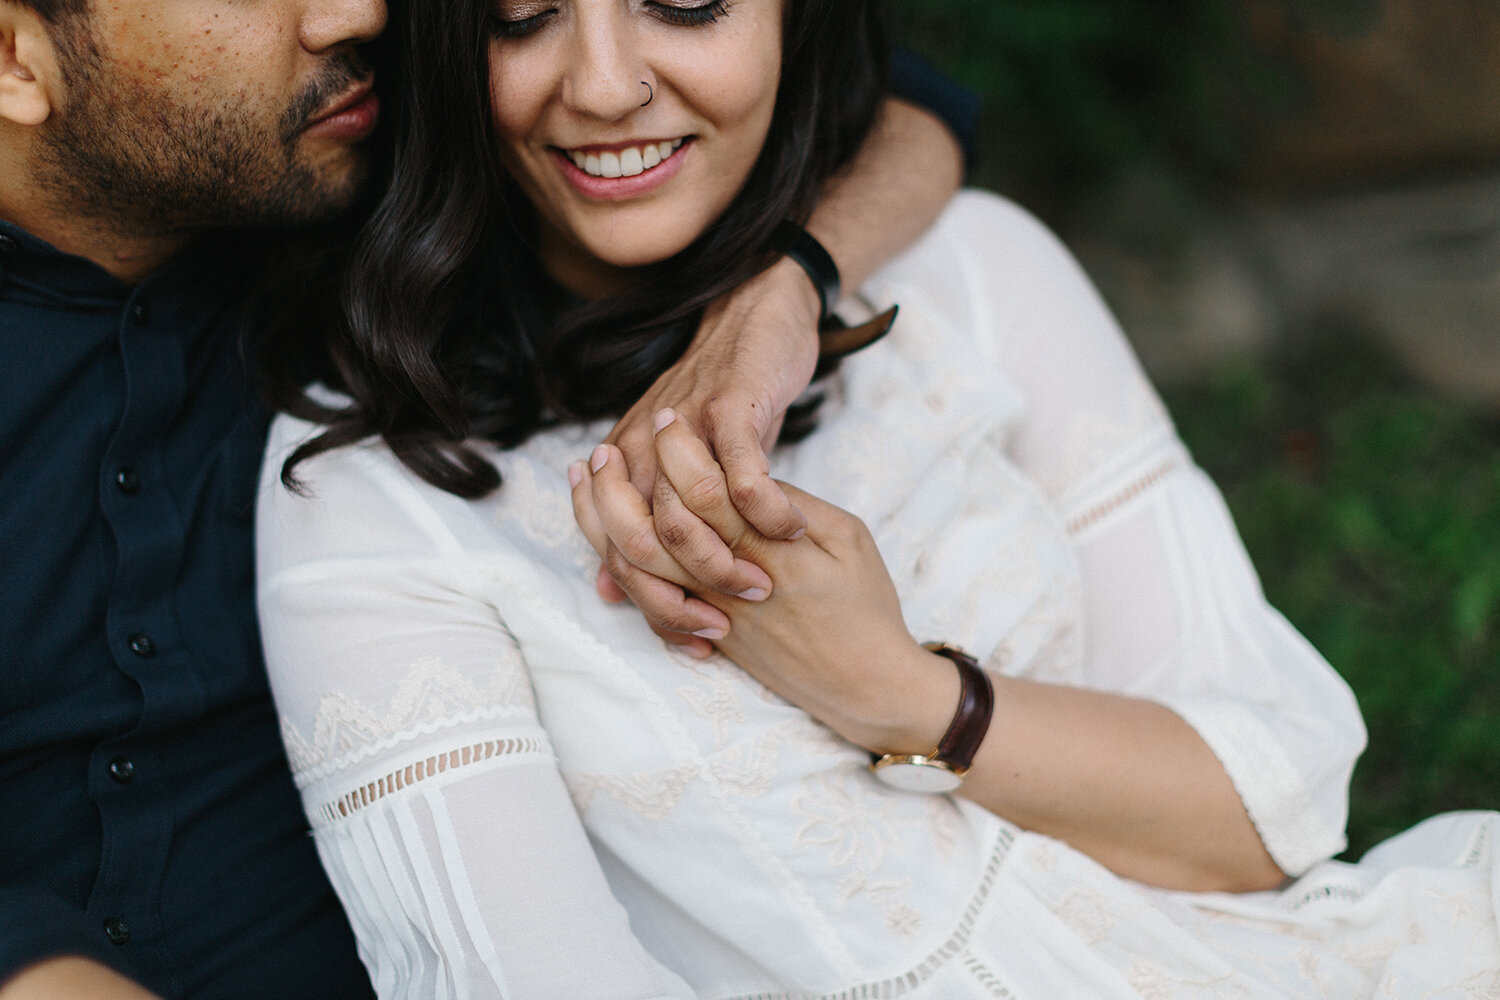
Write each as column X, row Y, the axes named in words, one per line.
column 353, row 500
column 983, row 265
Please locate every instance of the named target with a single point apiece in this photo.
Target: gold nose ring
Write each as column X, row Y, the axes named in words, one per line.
column 650, row 93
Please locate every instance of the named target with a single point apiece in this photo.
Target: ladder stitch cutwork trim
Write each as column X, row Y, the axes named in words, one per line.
column 371, row 792
column 956, row 944
column 1097, row 512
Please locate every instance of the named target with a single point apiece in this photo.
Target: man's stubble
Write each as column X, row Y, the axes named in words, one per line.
column 144, row 162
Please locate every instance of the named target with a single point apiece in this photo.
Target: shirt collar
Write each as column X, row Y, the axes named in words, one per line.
column 44, row 269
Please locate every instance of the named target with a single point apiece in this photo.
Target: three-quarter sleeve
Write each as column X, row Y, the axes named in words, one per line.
column 1172, row 608
column 434, row 795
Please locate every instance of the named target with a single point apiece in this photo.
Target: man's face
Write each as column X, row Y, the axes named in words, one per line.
column 181, row 115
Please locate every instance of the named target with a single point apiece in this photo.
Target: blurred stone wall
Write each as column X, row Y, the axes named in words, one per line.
column 1367, row 204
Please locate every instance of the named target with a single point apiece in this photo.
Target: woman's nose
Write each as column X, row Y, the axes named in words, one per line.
column 607, row 69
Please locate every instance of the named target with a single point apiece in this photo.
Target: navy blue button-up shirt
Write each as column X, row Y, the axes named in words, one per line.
column 147, row 818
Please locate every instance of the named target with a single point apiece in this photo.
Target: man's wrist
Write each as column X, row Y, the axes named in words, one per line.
column 787, row 275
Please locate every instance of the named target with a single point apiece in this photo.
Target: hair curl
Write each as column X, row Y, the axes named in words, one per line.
column 452, row 332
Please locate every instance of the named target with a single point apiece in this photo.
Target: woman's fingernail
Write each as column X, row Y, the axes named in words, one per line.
column 712, row 634
column 599, row 458
column 575, row 474
column 798, row 533
column 664, row 419
column 753, row 594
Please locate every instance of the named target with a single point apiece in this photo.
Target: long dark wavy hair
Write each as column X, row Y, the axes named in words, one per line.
column 451, row 331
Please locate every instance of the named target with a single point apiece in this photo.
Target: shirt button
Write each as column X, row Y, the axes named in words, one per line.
column 117, row 929
column 128, row 481
column 122, row 769
column 139, row 314
column 142, row 646
column 8, row 245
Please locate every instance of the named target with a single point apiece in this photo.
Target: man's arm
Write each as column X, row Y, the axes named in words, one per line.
column 74, row 978
column 752, row 357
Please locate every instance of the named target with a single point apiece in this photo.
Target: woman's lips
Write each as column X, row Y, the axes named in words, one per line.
column 615, row 173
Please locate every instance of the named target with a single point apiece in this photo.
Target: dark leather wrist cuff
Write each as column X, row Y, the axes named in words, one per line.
column 798, row 244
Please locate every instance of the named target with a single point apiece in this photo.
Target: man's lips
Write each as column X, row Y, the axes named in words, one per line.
column 352, row 118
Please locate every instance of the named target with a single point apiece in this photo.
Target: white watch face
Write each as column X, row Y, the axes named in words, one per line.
column 932, row 779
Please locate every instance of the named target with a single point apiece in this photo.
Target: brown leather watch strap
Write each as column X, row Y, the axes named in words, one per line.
column 976, row 704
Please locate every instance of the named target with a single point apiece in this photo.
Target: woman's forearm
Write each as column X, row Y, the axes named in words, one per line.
column 1122, row 779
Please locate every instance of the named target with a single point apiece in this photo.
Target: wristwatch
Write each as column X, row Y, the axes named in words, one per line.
column 943, row 769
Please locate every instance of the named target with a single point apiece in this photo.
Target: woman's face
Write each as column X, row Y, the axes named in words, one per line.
column 619, row 182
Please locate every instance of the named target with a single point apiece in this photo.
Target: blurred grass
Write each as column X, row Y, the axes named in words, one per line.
column 1372, row 511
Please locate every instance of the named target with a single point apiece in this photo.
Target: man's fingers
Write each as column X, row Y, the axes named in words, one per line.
column 751, row 489
column 697, row 547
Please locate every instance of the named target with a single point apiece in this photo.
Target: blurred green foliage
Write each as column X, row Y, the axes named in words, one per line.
column 1372, row 511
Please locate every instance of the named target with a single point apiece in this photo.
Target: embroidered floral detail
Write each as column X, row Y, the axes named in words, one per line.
column 1088, row 914
column 719, row 704
column 431, row 697
column 839, row 815
column 653, row 796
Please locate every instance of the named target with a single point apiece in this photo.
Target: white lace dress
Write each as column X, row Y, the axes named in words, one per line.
column 519, row 792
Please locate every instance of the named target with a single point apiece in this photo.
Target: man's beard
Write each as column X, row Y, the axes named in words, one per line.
column 142, row 162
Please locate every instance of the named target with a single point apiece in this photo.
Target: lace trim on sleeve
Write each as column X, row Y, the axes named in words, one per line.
column 471, row 755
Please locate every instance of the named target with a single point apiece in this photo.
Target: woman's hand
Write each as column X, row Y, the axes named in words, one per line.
column 830, row 637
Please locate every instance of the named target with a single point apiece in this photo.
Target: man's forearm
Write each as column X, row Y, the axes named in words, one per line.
column 904, row 174
column 73, row 978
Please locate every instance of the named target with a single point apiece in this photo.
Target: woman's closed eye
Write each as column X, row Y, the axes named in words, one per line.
column 689, row 15
column 517, row 20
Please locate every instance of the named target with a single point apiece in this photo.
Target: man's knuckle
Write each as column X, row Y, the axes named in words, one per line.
column 674, row 532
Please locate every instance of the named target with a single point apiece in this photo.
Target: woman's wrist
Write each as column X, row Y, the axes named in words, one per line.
column 906, row 708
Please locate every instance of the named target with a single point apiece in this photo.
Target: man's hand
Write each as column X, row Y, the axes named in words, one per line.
column 752, row 357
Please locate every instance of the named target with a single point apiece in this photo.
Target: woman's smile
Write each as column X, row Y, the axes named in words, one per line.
column 621, row 172
column 622, row 160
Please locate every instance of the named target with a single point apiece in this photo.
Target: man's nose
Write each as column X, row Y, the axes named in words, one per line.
column 328, row 23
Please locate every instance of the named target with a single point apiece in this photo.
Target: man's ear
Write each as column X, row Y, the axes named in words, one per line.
column 29, row 80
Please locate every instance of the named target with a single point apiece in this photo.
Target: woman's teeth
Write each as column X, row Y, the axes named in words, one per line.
column 626, row 162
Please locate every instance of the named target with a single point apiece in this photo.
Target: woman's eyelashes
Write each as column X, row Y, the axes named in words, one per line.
column 514, row 20
column 689, row 16
column 504, row 24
